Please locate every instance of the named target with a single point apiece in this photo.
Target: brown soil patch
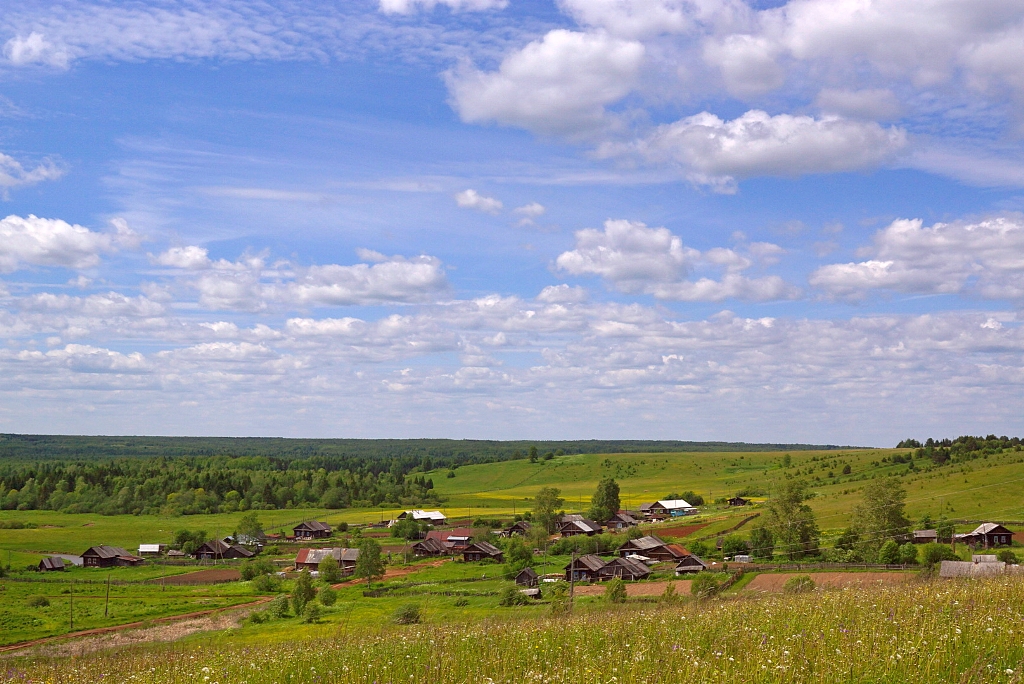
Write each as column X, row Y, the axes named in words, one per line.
column 773, row 582
column 638, row 589
column 212, row 576
column 679, row 531
column 392, row 572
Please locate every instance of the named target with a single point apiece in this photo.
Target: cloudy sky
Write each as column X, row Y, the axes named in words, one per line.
column 693, row 219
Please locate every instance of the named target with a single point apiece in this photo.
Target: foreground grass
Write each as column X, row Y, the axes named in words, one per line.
column 947, row 632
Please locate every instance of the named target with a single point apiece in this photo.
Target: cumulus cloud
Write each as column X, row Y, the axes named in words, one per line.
column 638, row 18
column 52, row 242
column 471, row 199
column 562, row 294
column 410, row 6
column 189, row 257
column 396, row 280
column 982, row 258
column 35, row 49
column 748, row 64
column 634, row 258
column 559, row 84
column 716, row 152
column 532, row 210
column 98, row 305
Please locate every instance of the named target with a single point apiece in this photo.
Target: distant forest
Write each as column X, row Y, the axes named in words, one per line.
column 963, row 448
column 190, row 475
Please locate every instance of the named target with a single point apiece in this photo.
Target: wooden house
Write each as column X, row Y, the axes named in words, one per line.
column 624, row 568
column 575, row 524
column 51, row 564
column 670, row 508
column 645, row 510
column 432, row 517
column 151, row 549
column 527, row 577
column 428, row 547
column 454, row 541
column 925, row 536
column 654, row 548
column 621, row 521
column 738, row 501
column 520, row 527
column 310, row 559
column 482, row 551
column 108, row 557
column 987, row 536
column 312, row 529
column 585, row 568
column 690, row 564
column 217, row 549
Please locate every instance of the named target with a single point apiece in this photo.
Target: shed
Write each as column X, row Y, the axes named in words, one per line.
column 520, row 527
column 527, row 577
column 738, row 501
column 533, row 592
column 925, row 536
column 624, row 568
column 310, row 559
column 51, row 563
column 689, row 565
column 217, row 549
column 108, row 556
column 621, row 521
column 312, row 529
column 432, row 517
column 950, row 569
column 585, row 568
column 428, row 547
column 482, row 551
column 151, row 549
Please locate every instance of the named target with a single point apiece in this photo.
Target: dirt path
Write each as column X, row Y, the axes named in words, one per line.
column 775, row 581
column 638, row 589
column 166, row 620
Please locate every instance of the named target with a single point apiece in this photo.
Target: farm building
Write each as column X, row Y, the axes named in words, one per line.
column 925, row 536
column 108, row 557
column 621, row 521
column 585, row 568
column 950, row 569
column 690, row 564
column 654, row 548
column 532, row 592
column 216, row 549
column 312, row 529
column 428, row 547
column 454, row 541
column 310, row 559
column 482, row 551
column 575, row 524
column 175, row 553
column 738, row 501
column 624, row 568
column 151, row 549
column 432, row 517
column 520, row 527
column 527, row 577
column 645, row 510
column 987, row 536
column 670, row 508
column 51, row 564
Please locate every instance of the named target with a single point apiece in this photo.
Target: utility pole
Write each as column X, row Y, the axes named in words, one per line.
column 106, row 604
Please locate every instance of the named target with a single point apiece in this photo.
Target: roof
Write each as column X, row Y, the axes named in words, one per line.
column 646, row 506
column 691, row 561
column 104, row 551
column 314, row 525
column 529, row 572
column 926, row 534
column 968, row 569
column 676, row 550
column 633, row 566
column 989, row 528
column 582, row 524
column 589, row 561
column 984, row 559
column 316, row 556
column 444, row 535
column 484, row 547
column 624, row 517
column 644, row 543
column 219, row 547
column 149, row 548
column 430, row 545
column 672, row 504
column 52, row 563
column 424, row 515
column 530, row 592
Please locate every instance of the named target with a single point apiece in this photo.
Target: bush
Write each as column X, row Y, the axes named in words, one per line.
column 330, row 572
column 511, row 596
column 461, row 602
column 38, row 602
column 908, row 554
column 798, row 585
column 560, row 600
column 615, row 592
column 303, row 592
column 266, row 584
column 409, row 614
column 278, row 607
column 599, row 544
column 699, row 548
column 311, row 613
column 669, row 595
column 251, row 569
column 704, row 586
column 733, row 545
column 258, row 617
column 889, row 554
column 936, row 553
column 342, row 527
column 1007, row 556
column 327, row 596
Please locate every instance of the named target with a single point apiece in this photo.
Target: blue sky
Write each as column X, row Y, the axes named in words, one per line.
column 693, row 219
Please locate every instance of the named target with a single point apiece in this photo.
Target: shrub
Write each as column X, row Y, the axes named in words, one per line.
column 266, row 584
column 704, row 586
column 936, row 553
column 889, row 554
column 342, row 527
column 734, row 544
column 699, row 548
column 409, row 614
column 311, row 613
column 258, row 617
column 511, row 596
column 278, row 607
column 461, row 602
column 1007, row 556
column 329, row 570
column 303, row 592
column 560, row 600
column 798, row 585
column 38, row 602
column 908, row 554
column 251, row 569
column 327, row 596
column 669, row 595
column 615, row 592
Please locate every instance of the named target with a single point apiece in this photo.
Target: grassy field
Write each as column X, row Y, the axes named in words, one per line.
column 929, row 631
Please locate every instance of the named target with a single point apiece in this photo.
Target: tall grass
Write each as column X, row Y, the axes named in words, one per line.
column 934, row 632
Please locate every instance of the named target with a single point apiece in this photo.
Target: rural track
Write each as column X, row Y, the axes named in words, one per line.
column 130, row 625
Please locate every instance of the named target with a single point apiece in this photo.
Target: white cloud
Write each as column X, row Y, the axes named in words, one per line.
column 716, row 152
column 97, row 306
column 35, row 49
column 13, row 174
column 53, row 242
column 410, row 6
column 874, row 103
column 983, row 258
column 471, row 199
column 562, row 294
column 189, row 257
column 560, row 84
column 748, row 64
column 636, row 259
column 397, row 280
column 634, row 18
column 532, row 210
